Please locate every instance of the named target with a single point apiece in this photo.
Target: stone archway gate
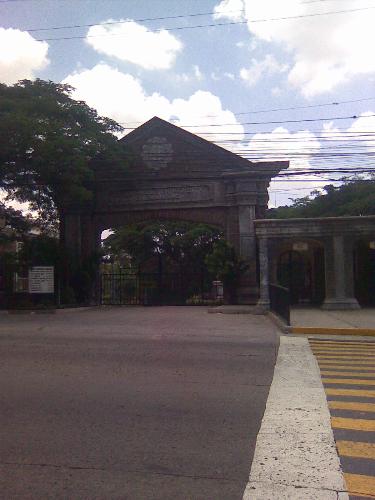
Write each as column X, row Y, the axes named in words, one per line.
column 171, row 174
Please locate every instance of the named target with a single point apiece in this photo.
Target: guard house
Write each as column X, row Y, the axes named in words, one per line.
column 172, row 174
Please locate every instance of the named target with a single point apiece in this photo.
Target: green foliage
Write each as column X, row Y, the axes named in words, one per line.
column 224, row 263
column 182, row 243
column 16, row 224
column 41, row 250
column 353, row 197
column 47, row 140
column 227, row 267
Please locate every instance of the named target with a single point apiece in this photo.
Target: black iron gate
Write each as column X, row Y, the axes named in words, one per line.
column 151, row 289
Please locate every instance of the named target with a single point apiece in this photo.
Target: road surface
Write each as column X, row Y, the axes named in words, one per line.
column 131, row 402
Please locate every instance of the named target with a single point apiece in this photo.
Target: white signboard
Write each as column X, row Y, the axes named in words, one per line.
column 41, row 279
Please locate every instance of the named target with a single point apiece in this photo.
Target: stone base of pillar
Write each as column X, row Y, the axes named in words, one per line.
column 247, row 294
column 264, row 305
column 340, row 304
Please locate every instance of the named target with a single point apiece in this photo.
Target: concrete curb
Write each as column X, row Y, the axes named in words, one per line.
column 47, row 311
column 295, row 456
column 236, row 309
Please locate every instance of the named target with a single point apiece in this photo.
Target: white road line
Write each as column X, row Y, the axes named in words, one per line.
column 295, row 456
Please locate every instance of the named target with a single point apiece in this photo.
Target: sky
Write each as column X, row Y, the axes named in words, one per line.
column 268, row 79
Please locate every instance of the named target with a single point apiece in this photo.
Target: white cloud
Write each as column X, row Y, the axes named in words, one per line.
column 276, row 91
column 364, row 126
column 280, row 144
column 358, row 138
column 121, row 96
column 117, row 95
column 197, row 72
column 220, row 76
column 20, row 55
column 132, row 42
column 326, row 50
column 229, row 9
column 205, row 110
column 195, row 75
column 268, row 65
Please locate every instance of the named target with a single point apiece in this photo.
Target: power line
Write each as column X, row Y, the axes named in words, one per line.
column 212, row 25
column 140, row 20
column 275, row 122
column 292, row 108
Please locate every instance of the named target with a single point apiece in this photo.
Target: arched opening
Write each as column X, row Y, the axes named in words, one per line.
column 300, row 268
column 364, row 272
column 159, row 263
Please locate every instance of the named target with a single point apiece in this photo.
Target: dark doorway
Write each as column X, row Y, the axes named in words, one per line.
column 294, row 272
column 364, row 273
column 303, row 274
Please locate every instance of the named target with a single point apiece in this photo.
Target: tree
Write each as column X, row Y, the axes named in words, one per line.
column 227, row 267
column 176, row 244
column 15, row 224
column 353, row 197
column 47, row 140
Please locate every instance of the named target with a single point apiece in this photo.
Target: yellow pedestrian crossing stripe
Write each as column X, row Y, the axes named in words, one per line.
column 359, row 393
column 348, row 374
column 353, row 406
column 365, row 357
column 349, row 364
column 356, row 449
column 331, row 348
column 352, row 368
column 360, row 485
column 328, row 352
column 347, row 381
column 354, row 424
column 343, row 343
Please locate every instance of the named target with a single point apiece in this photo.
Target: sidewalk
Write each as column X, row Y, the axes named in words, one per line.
column 308, row 320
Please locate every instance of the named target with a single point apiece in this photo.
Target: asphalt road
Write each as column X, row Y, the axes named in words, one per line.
column 131, row 403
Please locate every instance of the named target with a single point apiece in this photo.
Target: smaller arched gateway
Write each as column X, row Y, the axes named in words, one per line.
column 331, row 259
column 172, row 174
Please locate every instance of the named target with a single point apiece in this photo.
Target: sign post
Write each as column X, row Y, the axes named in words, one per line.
column 41, row 279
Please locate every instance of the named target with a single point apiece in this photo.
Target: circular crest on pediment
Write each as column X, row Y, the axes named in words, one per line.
column 157, row 152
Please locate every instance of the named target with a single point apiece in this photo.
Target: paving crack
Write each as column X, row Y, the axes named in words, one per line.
column 129, row 471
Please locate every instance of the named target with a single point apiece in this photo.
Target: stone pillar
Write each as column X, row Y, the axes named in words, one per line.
column 90, row 245
column 246, row 216
column 71, row 234
column 264, row 296
column 339, row 271
column 248, row 287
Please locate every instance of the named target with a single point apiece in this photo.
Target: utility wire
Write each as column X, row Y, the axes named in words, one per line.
column 274, row 122
column 140, row 20
column 212, row 25
column 272, row 110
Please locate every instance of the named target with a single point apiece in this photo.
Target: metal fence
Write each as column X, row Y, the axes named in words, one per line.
column 280, row 301
column 151, row 289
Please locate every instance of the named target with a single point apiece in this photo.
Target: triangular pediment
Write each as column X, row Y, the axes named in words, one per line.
column 157, row 145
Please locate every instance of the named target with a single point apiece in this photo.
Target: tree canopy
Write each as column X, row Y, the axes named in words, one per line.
column 184, row 244
column 353, row 197
column 47, row 140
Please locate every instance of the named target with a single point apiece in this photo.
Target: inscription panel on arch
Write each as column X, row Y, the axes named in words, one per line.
column 170, row 194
